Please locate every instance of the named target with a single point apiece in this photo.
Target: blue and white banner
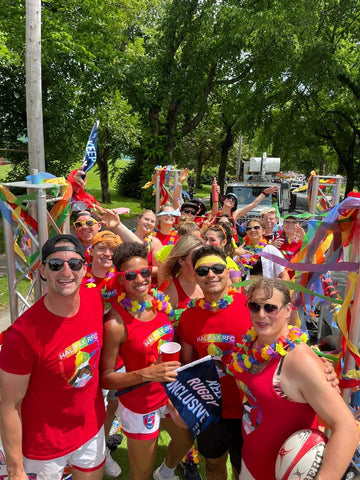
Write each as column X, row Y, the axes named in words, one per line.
column 196, row 394
column 89, row 159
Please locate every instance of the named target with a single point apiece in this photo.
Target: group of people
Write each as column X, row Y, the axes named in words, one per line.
column 91, row 346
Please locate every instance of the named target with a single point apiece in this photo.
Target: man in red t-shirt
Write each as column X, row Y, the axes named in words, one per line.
column 52, row 410
column 212, row 326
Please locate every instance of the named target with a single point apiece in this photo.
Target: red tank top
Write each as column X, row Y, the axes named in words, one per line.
column 268, row 420
column 183, row 299
column 141, row 349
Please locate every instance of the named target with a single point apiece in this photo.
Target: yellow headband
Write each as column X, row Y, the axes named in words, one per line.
column 209, row 259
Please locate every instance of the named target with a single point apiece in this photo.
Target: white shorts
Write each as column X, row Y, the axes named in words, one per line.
column 87, row 458
column 142, row 426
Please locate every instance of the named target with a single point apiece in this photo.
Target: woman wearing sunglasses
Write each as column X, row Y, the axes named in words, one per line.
column 253, row 264
column 166, row 232
column 285, row 388
column 220, row 235
column 135, row 328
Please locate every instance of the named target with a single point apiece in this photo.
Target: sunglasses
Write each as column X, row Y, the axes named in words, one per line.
column 130, row 276
column 255, row 227
column 81, row 223
column 217, row 268
column 232, row 199
column 269, row 308
column 56, row 264
column 290, row 222
column 188, row 210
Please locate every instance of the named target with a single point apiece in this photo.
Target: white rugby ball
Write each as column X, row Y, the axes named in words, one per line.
column 300, row 456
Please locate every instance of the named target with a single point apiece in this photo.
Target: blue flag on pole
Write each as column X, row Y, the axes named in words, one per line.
column 89, row 159
column 196, row 394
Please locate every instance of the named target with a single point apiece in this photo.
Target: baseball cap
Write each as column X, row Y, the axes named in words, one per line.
column 50, row 247
column 106, row 236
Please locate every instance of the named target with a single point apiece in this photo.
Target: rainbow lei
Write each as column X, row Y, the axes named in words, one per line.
column 291, row 241
column 250, row 262
column 224, row 302
column 244, row 357
column 159, row 301
column 91, row 281
column 172, row 236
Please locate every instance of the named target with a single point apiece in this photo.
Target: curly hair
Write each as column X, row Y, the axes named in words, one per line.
column 128, row 250
column 269, row 285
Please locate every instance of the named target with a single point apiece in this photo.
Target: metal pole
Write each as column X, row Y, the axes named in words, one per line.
column 11, row 269
column 314, row 194
column 157, row 194
column 337, row 190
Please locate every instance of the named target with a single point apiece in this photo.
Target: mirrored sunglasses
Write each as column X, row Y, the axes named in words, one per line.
column 56, row 264
column 87, row 223
column 217, row 268
column 131, row 275
column 269, row 308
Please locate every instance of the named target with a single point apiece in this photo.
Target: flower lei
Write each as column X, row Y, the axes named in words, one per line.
column 146, row 241
column 172, row 236
column 291, row 241
column 159, row 301
column 224, row 302
column 245, row 357
column 91, row 281
column 250, row 262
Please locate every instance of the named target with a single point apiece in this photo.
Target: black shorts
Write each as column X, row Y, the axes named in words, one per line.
column 223, row 436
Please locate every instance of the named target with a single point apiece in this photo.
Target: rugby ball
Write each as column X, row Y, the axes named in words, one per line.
column 300, row 456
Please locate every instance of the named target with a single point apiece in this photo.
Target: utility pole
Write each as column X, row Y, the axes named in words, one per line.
column 239, row 158
column 33, row 87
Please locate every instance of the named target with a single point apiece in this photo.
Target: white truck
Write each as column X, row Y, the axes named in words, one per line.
column 260, row 173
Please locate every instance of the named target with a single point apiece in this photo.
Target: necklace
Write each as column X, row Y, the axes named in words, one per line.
column 159, row 301
column 146, row 240
column 291, row 241
column 250, row 262
column 91, row 280
column 244, row 357
column 172, row 236
column 224, row 302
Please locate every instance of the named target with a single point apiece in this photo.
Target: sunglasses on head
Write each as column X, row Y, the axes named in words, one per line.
column 131, row 275
column 269, row 308
column 81, row 223
column 189, row 210
column 255, row 227
column 56, row 264
column 217, row 268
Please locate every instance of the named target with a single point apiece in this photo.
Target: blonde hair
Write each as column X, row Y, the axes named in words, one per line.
column 181, row 249
column 265, row 211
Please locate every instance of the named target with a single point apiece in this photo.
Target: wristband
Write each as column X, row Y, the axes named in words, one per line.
column 265, row 194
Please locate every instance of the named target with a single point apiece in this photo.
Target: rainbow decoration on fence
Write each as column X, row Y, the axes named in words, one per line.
column 166, row 183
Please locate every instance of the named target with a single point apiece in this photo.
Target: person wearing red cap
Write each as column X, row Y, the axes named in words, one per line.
column 52, row 410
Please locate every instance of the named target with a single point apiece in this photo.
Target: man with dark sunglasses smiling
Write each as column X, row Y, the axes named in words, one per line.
column 52, row 410
column 212, row 326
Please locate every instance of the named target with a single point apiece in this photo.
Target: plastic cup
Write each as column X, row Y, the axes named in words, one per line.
column 170, row 352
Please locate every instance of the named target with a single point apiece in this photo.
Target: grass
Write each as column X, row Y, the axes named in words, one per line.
column 23, row 287
column 120, row 455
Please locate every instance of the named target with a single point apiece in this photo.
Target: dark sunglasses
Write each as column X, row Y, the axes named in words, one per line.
column 232, row 199
column 56, row 264
column 188, row 210
column 81, row 223
column 130, row 276
column 269, row 308
column 217, row 268
column 255, row 227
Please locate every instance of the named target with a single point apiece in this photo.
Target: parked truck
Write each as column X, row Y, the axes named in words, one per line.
column 260, row 173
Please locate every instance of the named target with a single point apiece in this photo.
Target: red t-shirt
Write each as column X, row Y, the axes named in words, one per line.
column 216, row 333
column 140, row 350
column 109, row 287
column 63, row 407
